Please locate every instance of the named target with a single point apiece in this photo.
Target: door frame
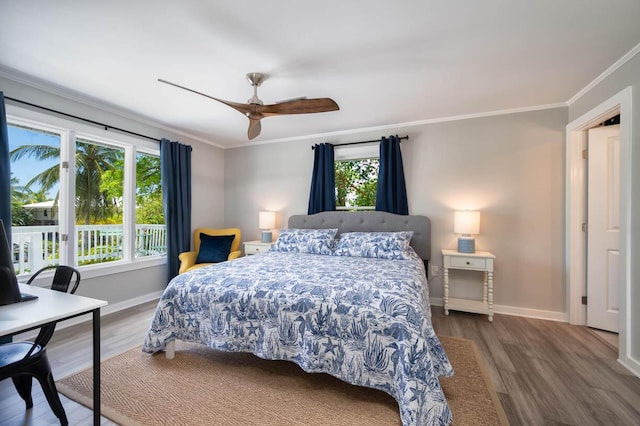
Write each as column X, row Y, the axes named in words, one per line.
column 575, row 209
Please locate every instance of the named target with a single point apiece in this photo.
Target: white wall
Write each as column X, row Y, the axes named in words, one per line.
column 510, row 167
column 625, row 76
column 207, row 187
column 273, row 177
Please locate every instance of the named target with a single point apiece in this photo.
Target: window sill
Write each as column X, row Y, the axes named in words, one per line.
column 104, row 269
column 356, row 208
column 109, row 268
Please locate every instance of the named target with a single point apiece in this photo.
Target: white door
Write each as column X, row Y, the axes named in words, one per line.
column 603, row 232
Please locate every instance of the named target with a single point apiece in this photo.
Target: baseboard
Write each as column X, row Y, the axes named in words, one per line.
column 518, row 311
column 531, row 313
column 631, row 365
column 107, row 310
column 129, row 303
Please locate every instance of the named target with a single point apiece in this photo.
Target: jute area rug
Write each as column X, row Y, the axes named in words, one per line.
column 201, row 386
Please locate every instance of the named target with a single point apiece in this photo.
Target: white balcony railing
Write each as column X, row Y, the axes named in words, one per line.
column 37, row 246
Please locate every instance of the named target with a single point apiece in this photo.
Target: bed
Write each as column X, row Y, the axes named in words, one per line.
column 361, row 317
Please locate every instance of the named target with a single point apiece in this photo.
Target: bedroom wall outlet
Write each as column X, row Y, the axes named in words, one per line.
column 435, row 270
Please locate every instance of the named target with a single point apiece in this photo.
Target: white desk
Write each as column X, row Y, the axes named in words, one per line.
column 52, row 307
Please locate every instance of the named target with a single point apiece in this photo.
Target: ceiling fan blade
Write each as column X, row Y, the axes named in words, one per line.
column 298, row 106
column 254, row 128
column 244, row 109
column 291, row 99
column 254, row 110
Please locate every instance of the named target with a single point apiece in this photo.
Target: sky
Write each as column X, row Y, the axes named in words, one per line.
column 27, row 167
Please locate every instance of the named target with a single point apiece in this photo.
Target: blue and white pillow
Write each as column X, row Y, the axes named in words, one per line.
column 380, row 245
column 314, row 241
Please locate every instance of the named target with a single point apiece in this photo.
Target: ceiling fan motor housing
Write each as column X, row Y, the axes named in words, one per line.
column 256, row 79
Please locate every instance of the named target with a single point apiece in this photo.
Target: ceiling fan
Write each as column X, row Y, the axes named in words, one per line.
column 255, row 110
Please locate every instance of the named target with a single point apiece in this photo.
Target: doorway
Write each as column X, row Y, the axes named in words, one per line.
column 576, row 242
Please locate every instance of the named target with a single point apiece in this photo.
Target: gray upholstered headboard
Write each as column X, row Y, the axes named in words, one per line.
column 371, row 221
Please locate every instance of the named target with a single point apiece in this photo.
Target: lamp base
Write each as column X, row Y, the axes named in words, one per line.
column 267, row 237
column 466, row 245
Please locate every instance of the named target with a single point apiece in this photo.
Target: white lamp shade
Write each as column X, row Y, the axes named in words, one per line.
column 466, row 222
column 267, row 220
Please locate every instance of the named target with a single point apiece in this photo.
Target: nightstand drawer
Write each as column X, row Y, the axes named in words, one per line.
column 256, row 247
column 468, row 262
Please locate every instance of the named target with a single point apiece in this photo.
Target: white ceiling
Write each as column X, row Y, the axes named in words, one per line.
column 384, row 62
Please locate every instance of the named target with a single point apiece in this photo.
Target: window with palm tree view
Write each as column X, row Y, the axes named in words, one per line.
column 49, row 226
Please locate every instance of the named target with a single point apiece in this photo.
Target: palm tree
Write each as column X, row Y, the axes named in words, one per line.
column 19, row 197
column 92, row 160
column 48, row 178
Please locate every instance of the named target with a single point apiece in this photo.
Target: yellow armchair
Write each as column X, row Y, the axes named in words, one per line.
column 188, row 258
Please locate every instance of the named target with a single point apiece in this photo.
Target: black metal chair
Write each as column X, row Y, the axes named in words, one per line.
column 24, row 360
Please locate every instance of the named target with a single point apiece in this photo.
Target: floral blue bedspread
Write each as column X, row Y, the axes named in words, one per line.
column 365, row 321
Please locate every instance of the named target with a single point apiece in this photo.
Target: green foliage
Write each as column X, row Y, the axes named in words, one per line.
column 19, row 197
column 151, row 211
column 149, row 208
column 93, row 204
column 356, row 182
column 99, row 184
column 148, row 190
column 113, row 180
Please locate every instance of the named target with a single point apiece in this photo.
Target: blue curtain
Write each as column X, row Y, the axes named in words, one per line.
column 175, row 171
column 323, row 181
column 5, row 170
column 391, row 194
column 5, row 180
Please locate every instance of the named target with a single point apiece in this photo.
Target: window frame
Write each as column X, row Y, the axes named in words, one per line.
column 69, row 130
column 354, row 153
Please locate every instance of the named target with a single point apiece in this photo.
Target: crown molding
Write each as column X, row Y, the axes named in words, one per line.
column 407, row 124
column 619, row 63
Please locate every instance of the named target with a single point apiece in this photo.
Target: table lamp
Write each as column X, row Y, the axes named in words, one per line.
column 466, row 223
column 266, row 222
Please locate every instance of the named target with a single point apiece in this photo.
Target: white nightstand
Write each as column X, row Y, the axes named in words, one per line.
column 478, row 261
column 255, row 247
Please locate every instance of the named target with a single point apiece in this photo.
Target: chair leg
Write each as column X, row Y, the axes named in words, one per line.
column 50, row 391
column 43, row 374
column 23, row 386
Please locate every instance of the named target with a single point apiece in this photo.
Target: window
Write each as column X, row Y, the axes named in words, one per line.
column 356, row 177
column 82, row 196
column 99, row 202
column 150, row 230
column 35, row 177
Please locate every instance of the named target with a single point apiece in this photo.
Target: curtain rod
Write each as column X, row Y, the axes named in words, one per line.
column 106, row 126
column 358, row 143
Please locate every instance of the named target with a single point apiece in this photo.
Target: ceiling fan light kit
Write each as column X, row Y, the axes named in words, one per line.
column 255, row 110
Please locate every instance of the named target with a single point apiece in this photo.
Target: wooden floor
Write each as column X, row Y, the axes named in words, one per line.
column 70, row 350
column 546, row 373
